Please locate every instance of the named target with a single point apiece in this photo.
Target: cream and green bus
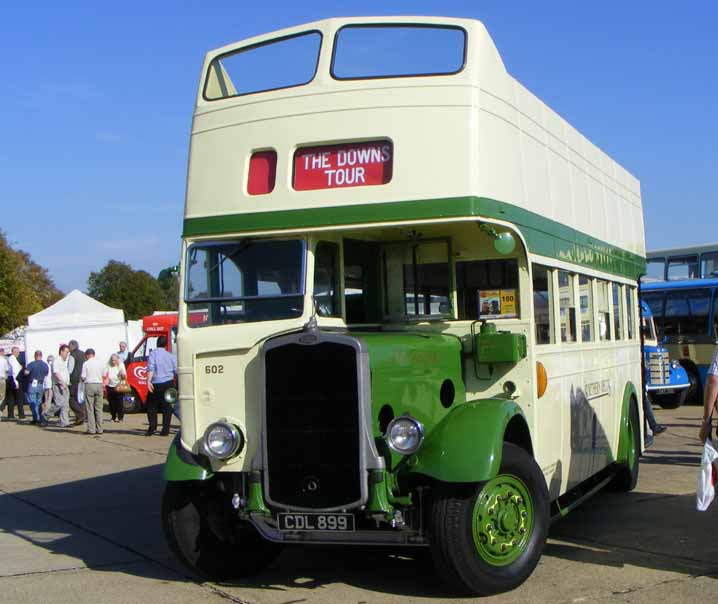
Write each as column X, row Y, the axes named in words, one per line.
column 409, row 311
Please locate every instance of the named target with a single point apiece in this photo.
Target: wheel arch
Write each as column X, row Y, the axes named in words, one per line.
column 630, row 397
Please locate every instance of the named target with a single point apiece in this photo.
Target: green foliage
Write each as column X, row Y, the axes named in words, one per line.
column 25, row 287
column 136, row 292
column 169, row 282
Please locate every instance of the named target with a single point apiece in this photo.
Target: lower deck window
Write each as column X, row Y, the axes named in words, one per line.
column 567, row 306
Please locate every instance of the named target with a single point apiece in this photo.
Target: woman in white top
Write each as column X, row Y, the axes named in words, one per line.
column 114, row 374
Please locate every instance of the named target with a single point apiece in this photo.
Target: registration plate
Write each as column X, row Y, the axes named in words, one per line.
column 316, row 522
column 664, row 391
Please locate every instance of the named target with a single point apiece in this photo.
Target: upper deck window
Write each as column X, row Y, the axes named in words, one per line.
column 389, row 51
column 280, row 63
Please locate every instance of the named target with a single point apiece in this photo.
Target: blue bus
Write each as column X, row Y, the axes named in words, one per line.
column 664, row 379
column 686, row 317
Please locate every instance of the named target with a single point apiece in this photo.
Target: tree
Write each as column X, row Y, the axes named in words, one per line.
column 136, row 292
column 169, row 282
column 25, row 286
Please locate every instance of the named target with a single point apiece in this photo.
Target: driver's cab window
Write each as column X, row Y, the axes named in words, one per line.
column 143, row 350
column 487, row 289
column 326, row 280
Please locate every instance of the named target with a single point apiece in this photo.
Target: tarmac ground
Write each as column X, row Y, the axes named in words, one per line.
column 79, row 523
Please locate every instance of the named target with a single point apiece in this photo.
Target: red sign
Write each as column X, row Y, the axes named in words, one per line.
column 339, row 166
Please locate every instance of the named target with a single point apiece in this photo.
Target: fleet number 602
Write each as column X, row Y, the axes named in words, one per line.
column 214, row 369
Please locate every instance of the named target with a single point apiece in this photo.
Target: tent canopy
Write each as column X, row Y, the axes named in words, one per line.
column 78, row 309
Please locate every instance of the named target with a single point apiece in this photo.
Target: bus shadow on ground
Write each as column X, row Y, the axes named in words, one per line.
column 112, row 523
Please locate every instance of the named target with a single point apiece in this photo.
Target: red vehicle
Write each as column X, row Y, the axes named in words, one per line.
column 153, row 326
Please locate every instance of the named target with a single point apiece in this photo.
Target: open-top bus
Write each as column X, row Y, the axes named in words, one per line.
column 419, row 285
column 686, row 316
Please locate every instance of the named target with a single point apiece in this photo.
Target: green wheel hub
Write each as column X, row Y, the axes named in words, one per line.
column 503, row 520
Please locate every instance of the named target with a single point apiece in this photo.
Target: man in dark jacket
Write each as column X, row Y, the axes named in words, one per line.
column 75, row 367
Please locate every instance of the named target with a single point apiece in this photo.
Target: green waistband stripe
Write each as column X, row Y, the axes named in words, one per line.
column 543, row 236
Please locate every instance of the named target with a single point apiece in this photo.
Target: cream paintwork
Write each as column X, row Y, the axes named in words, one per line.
column 482, row 131
column 513, row 149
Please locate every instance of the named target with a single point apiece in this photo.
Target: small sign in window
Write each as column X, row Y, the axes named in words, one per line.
column 497, row 304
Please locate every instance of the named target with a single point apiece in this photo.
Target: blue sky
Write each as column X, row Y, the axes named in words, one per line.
column 97, row 101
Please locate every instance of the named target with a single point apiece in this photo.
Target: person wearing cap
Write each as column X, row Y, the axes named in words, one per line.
column 36, row 372
column 161, row 373
column 92, row 375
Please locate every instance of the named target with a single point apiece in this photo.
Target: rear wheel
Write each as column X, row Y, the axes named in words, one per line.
column 627, row 476
column 205, row 535
column 693, row 393
column 488, row 538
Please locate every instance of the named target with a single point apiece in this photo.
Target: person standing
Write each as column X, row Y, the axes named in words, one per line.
column 4, row 372
column 709, row 398
column 16, row 397
column 92, row 376
column 123, row 353
column 36, row 372
column 75, row 368
column 60, row 388
column 161, row 373
column 114, row 374
column 47, row 385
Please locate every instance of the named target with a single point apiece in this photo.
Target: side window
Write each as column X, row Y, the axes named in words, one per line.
column 682, row 267
column 486, row 288
column 709, row 265
column 326, row 280
column 567, row 307
column 630, row 311
column 603, row 305
column 655, row 269
column 687, row 312
column 617, row 314
column 585, row 296
column 543, row 313
column 714, row 329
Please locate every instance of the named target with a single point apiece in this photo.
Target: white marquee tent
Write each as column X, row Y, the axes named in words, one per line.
column 76, row 317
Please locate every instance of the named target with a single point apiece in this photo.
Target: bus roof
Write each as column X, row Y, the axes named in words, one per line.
column 651, row 286
column 680, row 251
column 487, row 149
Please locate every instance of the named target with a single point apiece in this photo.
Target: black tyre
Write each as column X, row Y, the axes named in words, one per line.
column 671, row 401
column 627, row 475
column 694, row 396
column 131, row 401
column 203, row 534
column 487, row 538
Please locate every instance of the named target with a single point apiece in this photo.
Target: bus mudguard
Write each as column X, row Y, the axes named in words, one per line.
column 183, row 465
column 623, row 438
column 466, row 445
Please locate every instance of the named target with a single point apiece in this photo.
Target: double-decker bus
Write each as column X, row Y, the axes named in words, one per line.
column 679, row 263
column 419, row 286
column 686, row 317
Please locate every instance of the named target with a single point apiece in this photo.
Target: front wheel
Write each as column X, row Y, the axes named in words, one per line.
column 488, row 538
column 671, row 401
column 626, row 477
column 206, row 536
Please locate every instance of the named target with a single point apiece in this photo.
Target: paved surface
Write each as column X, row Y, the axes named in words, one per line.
column 79, row 522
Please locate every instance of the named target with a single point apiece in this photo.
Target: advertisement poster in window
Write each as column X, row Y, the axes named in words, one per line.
column 497, row 303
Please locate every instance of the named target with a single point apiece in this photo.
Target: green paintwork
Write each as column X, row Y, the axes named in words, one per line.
column 491, row 346
column 543, row 235
column 379, row 495
column 407, row 372
column 626, row 444
column 466, row 446
column 256, row 496
column 176, row 469
column 503, row 519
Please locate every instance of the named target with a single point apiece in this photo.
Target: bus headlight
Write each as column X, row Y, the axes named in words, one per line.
column 675, row 364
column 404, row 435
column 222, row 440
column 171, row 396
